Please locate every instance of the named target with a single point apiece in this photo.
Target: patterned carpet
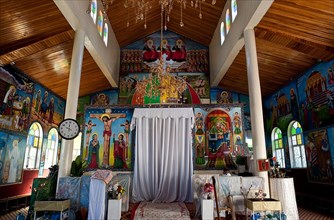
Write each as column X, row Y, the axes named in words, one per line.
column 304, row 214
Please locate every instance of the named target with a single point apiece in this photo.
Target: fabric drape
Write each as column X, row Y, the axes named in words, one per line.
column 163, row 165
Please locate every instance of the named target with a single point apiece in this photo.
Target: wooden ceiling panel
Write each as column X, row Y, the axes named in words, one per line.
column 26, row 22
column 292, row 37
column 199, row 30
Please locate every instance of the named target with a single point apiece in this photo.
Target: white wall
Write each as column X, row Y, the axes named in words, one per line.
column 107, row 58
column 250, row 12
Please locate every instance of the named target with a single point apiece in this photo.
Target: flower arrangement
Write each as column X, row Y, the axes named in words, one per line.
column 275, row 171
column 116, row 191
column 260, row 194
column 208, row 191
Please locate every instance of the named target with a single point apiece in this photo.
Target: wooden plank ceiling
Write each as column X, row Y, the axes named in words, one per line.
column 293, row 36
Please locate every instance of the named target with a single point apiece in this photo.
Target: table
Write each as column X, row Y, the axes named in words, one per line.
column 267, row 204
column 279, row 188
column 59, row 206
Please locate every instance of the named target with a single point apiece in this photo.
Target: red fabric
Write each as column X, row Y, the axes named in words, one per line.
column 134, row 210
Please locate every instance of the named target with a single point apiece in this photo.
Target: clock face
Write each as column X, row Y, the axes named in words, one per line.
column 68, row 128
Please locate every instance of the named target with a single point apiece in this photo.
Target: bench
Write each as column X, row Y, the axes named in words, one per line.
column 14, row 202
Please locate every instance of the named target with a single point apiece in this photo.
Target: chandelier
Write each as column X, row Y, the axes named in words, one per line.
column 161, row 86
column 142, row 7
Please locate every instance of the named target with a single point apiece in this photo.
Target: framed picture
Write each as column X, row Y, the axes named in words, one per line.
column 263, row 165
column 219, row 133
column 108, row 141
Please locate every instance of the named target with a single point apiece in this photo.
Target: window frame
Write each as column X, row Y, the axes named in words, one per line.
column 39, row 146
column 278, row 146
column 296, row 141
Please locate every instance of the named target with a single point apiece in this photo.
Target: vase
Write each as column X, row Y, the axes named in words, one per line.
column 114, row 209
column 207, row 209
column 241, row 168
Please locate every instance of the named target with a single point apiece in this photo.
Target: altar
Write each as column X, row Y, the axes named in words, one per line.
column 264, row 205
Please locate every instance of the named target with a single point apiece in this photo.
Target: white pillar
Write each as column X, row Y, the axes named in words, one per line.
column 72, row 100
column 255, row 101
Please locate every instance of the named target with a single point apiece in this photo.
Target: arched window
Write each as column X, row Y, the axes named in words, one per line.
column 93, row 10
column 228, row 20
column 222, row 33
column 277, row 145
column 34, row 146
column 100, row 23
column 105, row 34
column 51, row 148
column 77, row 146
column 296, row 145
column 234, row 8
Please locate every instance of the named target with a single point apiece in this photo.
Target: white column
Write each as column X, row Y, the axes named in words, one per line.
column 72, row 100
column 255, row 100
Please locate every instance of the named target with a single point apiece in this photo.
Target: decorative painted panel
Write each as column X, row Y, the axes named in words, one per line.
column 219, row 133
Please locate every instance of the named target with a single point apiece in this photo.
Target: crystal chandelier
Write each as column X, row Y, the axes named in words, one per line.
column 142, row 7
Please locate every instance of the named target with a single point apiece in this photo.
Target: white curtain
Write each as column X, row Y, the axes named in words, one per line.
column 163, row 165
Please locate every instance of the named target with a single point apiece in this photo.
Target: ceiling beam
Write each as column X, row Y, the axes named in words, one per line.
column 36, row 47
column 315, row 50
column 222, row 56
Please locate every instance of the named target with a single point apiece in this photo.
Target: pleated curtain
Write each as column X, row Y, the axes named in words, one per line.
column 163, row 165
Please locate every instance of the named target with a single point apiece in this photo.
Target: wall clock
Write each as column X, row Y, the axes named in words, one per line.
column 68, row 128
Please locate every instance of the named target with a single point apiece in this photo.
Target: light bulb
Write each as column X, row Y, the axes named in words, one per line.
column 181, row 24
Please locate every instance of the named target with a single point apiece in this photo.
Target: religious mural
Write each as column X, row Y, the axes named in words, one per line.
column 46, row 108
column 82, row 103
column 281, row 108
column 219, row 133
column 221, row 96
column 16, row 92
column 184, row 72
column 316, row 96
column 107, row 140
column 310, row 101
column 107, row 97
column 12, row 149
column 318, row 154
column 243, row 99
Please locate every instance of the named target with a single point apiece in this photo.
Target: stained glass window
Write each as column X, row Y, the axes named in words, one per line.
column 34, row 145
column 222, row 33
column 105, row 34
column 296, row 145
column 100, row 23
column 51, row 148
column 234, row 8
column 228, row 20
column 278, row 148
column 93, row 10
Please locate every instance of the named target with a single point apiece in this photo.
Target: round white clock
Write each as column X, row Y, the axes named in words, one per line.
column 68, row 128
